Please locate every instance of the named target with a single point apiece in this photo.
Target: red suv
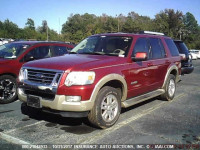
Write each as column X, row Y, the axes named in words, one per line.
column 102, row 74
column 14, row 55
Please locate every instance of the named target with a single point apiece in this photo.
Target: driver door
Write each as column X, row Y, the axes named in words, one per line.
column 142, row 73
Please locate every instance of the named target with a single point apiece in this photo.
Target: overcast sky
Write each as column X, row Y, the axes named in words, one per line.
column 56, row 12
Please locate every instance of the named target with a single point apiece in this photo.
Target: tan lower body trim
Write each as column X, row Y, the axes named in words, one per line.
column 59, row 103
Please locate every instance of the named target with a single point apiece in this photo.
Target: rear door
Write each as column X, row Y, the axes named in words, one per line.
column 158, row 61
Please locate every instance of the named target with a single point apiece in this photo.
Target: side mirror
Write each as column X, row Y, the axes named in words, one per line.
column 140, row 56
column 28, row 58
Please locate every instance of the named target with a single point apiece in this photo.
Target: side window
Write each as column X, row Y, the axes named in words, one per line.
column 141, row 45
column 59, row 50
column 172, row 47
column 162, row 48
column 157, row 49
column 39, row 53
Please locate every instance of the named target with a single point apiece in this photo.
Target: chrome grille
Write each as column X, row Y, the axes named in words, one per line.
column 43, row 76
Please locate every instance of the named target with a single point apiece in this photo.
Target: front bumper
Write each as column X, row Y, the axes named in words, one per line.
column 27, row 110
column 59, row 103
column 187, row 70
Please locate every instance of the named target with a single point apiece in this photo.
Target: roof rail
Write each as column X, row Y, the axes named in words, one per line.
column 151, row 32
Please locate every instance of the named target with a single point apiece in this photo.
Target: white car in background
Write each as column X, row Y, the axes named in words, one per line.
column 1, row 42
column 5, row 41
column 195, row 54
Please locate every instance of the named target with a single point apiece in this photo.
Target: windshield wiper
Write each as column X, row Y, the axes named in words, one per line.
column 72, row 52
column 111, row 54
column 99, row 53
column 93, row 53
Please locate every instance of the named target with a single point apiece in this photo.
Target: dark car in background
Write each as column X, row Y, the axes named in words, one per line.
column 186, row 62
column 14, row 55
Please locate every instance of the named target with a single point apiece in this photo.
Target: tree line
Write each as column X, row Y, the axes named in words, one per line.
column 8, row 29
column 77, row 27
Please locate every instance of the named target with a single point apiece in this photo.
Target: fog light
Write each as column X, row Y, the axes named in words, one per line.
column 73, row 98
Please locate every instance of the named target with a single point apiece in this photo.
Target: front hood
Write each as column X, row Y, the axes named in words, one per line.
column 74, row 61
column 4, row 61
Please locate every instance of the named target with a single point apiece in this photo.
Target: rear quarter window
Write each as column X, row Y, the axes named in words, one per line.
column 172, row 47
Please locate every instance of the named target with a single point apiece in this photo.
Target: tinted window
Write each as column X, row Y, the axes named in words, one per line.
column 182, row 48
column 172, row 47
column 141, row 45
column 59, row 50
column 157, row 49
column 40, row 52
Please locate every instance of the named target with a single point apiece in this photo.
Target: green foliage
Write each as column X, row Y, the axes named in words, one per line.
column 190, row 23
column 191, row 30
column 77, row 27
column 30, row 24
column 8, row 29
column 169, row 22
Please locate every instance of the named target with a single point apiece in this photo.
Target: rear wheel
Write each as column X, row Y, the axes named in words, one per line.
column 170, row 88
column 107, row 108
column 8, row 89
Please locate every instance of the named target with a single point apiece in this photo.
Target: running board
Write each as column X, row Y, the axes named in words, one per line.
column 141, row 98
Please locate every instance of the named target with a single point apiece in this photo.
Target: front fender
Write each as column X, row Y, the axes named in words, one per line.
column 105, row 80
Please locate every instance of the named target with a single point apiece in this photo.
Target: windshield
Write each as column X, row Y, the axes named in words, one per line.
column 104, row 45
column 12, row 50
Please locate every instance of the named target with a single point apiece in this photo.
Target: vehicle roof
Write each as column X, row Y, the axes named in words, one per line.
column 40, row 42
column 129, row 34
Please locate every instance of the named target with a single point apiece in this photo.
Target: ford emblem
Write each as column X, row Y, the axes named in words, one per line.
column 39, row 75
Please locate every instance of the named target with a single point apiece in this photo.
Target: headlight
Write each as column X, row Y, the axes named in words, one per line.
column 22, row 74
column 79, row 78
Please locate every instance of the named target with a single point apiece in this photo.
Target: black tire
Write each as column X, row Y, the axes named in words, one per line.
column 113, row 108
column 169, row 90
column 8, row 89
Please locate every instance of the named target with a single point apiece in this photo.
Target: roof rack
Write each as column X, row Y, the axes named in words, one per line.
column 151, row 32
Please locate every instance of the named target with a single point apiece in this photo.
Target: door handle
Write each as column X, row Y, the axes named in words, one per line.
column 167, row 61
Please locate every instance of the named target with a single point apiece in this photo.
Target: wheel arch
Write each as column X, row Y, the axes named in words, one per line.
column 9, row 74
column 174, row 71
column 113, row 80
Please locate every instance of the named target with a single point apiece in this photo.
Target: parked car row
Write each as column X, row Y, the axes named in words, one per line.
column 98, row 77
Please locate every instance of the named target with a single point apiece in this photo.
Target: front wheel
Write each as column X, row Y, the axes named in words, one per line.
column 170, row 88
column 8, row 89
column 107, row 108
